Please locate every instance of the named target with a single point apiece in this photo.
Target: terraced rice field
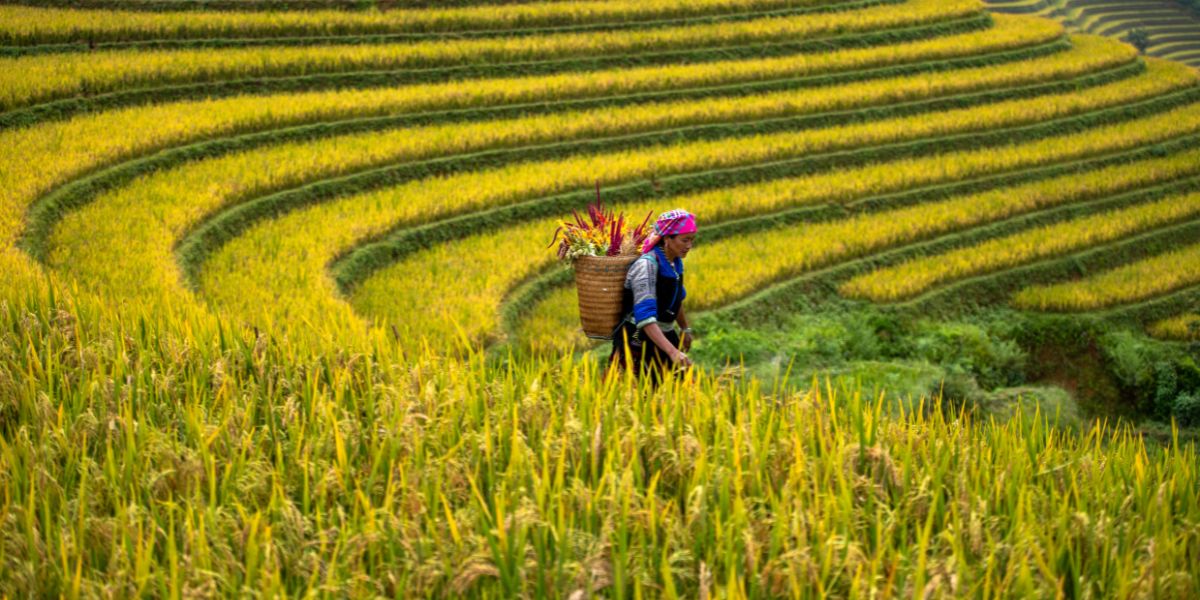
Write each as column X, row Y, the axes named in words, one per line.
column 280, row 317
column 1173, row 29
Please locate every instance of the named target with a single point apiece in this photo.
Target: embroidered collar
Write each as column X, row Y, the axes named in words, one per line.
column 665, row 266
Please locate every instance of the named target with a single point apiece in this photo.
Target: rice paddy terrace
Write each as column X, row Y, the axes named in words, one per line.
column 1172, row 27
column 336, row 187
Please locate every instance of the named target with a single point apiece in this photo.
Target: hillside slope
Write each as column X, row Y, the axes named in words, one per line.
column 271, row 270
column 1173, row 30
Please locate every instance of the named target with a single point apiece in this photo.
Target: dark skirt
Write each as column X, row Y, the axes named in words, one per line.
column 647, row 359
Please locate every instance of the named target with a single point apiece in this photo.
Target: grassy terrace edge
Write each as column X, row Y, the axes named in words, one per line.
column 9, row 49
column 1149, row 310
column 996, row 287
column 57, row 106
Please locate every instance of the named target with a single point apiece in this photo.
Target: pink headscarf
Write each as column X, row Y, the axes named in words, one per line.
column 672, row 222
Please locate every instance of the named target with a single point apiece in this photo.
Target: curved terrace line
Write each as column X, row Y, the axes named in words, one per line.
column 1177, row 303
column 60, row 108
column 84, row 41
column 1163, row 21
column 38, row 79
column 219, row 228
column 1168, row 271
column 348, row 273
column 50, row 208
column 1158, row 207
column 1000, row 285
column 247, row 275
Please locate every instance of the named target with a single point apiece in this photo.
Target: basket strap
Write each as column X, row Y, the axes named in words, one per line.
column 613, row 335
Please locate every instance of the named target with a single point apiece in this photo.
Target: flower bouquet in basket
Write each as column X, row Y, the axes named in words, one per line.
column 601, row 247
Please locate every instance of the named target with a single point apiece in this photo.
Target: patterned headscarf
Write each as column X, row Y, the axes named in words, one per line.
column 672, row 222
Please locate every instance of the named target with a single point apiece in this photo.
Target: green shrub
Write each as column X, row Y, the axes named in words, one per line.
column 1138, row 38
column 1160, row 379
column 808, row 339
column 1187, row 409
column 1129, row 358
column 1166, row 387
column 731, row 343
column 971, row 349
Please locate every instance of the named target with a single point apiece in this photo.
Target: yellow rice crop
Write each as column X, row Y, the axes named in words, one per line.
column 291, row 252
column 552, row 326
column 228, row 468
column 37, row 78
column 1182, row 327
column 41, row 157
column 437, row 288
column 24, row 25
column 150, row 448
column 1129, row 283
column 916, row 276
column 181, row 196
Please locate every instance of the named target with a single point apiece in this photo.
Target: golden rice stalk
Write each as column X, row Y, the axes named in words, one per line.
column 1133, row 282
column 1182, row 327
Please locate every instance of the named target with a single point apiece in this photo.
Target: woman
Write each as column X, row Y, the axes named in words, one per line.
column 655, row 330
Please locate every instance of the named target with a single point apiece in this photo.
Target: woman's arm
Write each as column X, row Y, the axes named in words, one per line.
column 685, row 338
column 656, row 335
column 640, row 280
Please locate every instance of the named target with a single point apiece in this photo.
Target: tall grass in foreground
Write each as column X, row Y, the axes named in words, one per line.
column 146, row 460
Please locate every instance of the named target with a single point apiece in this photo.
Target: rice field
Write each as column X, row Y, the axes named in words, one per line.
column 1135, row 281
column 1171, row 27
column 1182, row 327
column 278, row 317
column 913, row 277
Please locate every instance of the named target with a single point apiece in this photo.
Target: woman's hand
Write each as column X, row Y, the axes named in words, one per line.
column 686, row 343
column 677, row 356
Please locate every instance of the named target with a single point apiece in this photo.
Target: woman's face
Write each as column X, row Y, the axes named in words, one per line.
column 679, row 245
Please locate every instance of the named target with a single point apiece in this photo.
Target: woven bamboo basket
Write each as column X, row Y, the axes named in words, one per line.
column 600, row 281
